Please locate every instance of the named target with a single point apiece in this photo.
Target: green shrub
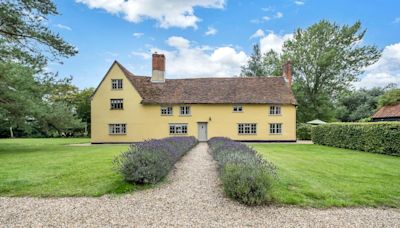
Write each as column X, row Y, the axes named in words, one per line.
column 383, row 138
column 303, row 131
column 150, row 161
column 246, row 176
column 247, row 184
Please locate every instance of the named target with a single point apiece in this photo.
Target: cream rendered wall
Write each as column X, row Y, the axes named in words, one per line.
column 145, row 121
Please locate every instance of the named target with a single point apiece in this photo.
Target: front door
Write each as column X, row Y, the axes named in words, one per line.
column 202, row 132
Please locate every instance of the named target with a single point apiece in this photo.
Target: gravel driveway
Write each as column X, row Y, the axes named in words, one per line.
column 192, row 197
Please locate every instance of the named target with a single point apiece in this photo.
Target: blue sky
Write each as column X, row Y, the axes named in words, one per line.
column 209, row 37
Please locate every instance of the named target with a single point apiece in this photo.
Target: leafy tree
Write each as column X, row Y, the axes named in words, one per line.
column 261, row 65
column 25, row 37
column 20, row 95
column 390, row 98
column 82, row 105
column 326, row 59
column 359, row 104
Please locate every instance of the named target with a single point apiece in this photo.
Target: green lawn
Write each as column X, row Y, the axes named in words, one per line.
column 49, row 167
column 320, row 176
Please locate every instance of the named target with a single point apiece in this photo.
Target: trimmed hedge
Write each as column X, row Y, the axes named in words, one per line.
column 383, row 138
column 303, row 131
column 149, row 161
column 245, row 175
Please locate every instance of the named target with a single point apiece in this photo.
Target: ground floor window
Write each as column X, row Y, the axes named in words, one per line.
column 247, row 128
column 275, row 128
column 178, row 129
column 117, row 129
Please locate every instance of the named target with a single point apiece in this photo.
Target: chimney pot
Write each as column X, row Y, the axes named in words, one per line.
column 287, row 72
column 158, row 68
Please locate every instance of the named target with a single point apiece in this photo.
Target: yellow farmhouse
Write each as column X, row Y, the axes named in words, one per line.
column 130, row 108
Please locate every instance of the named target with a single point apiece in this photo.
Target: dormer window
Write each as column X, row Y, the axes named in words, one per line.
column 275, row 110
column 237, row 108
column 116, row 84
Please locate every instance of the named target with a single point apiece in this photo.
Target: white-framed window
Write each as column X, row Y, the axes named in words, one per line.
column 178, row 129
column 247, row 128
column 166, row 110
column 275, row 128
column 117, row 103
column 117, row 129
column 237, row 108
column 275, row 110
column 116, row 83
column 185, row 110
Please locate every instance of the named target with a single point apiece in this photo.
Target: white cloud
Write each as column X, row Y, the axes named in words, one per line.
column 211, row 31
column 385, row 71
column 258, row 33
column 396, row 20
column 266, row 18
column 299, row 2
column 171, row 13
column 144, row 55
column 278, row 15
column 61, row 26
column 138, row 34
column 178, row 42
column 273, row 41
column 184, row 59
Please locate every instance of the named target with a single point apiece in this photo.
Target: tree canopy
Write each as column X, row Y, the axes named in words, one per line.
column 25, row 36
column 391, row 97
column 326, row 60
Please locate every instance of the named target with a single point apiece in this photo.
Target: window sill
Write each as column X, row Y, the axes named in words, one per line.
column 247, row 134
column 185, row 115
column 167, row 114
column 237, row 112
column 275, row 133
column 275, row 115
column 179, row 134
column 117, row 134
column 116, row 109
column 116, row 89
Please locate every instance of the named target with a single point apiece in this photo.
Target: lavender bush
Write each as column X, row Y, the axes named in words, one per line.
column 245, row 175
column 151, row 160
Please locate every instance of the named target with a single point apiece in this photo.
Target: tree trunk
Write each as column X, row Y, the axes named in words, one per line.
column 11, row 132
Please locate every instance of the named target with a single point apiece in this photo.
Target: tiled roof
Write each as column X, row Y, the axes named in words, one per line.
column 235, row 90
column 388, row 111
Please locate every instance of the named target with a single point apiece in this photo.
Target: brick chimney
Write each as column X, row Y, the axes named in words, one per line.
column 158, row 65
column 287, row 72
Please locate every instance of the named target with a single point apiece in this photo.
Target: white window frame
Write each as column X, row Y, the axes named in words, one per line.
column 247, row 128
column 117, row 104
column 275, row 128
column 185, row 110
column 117, row 129
column 178, row 128
column 275, row 110
column 116, row 84
column 237, row 108
column 166, row 110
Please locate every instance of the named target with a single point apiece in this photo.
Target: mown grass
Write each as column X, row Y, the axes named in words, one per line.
column 321, row 176
column 50, row 167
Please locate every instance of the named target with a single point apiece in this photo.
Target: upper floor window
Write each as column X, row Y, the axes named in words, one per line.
column 185, row 110
column 177, row 129
column 247, row 128
column 275, row 128
column 117, row 103
column 117, row 129
column 237, row 108
column 116, row 83
column 166, row 111
column 275, row 110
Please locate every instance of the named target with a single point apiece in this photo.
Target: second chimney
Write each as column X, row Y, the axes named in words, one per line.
column 158, row 68
column 287, row 73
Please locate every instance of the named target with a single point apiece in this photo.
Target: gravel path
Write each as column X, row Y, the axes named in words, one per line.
column 192, row 197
